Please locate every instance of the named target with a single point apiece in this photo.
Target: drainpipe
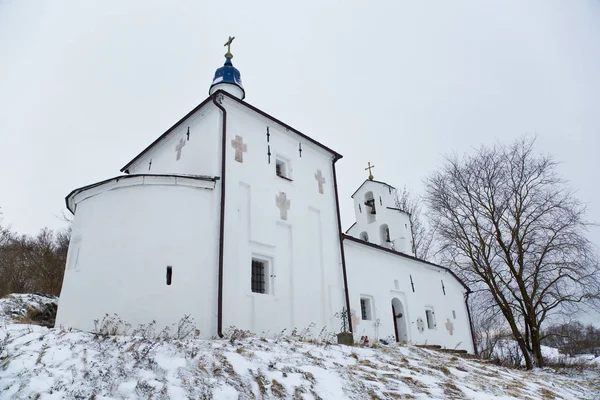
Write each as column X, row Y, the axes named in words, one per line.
column 470, row 321
column 342, row 253
column 222, row 218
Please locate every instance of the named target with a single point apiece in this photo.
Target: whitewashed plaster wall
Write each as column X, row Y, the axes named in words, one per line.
column 382, row 276
column 200, row 155
column 125, row 235
column 303, row 249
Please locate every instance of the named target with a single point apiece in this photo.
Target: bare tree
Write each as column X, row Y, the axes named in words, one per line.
column 33, row 264
column 422, row 238
column 508, row 223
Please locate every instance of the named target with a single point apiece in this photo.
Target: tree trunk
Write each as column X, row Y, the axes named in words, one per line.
column 536, row 347
column 522, row 346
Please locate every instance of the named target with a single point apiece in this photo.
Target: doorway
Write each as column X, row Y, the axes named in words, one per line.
column 399, row 316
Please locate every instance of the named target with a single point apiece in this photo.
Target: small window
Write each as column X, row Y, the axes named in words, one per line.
column 169, row 274
column 259, row 273
column 453, row 314
column 364, row 236
column 282, row 168
column 396, row 284
column 430, row 318
column 365, row 309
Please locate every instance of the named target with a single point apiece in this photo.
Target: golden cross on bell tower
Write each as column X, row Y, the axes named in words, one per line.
column 228, row 44
column 369, row 168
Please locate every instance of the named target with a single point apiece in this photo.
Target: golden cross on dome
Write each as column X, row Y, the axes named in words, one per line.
column 228, row 44
column 369, row 168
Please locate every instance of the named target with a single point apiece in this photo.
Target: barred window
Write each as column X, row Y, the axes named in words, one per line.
column 365, row 308
column 258, row 276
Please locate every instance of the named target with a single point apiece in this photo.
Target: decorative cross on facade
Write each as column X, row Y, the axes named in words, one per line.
column 283, row 204
column 178, row 148
column 228, row 44
column 369, row 168
column 320, row 179
column 240, row 148
column 449, row 326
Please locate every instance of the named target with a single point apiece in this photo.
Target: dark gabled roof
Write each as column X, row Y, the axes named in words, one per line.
column 377, row 247
column 336, row 155
column 369, row 180
column 118, row 178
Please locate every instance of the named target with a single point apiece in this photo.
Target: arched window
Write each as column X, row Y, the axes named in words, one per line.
column 370, row 207
column 384, row 235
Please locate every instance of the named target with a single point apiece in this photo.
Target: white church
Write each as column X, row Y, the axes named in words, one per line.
column 232, row 216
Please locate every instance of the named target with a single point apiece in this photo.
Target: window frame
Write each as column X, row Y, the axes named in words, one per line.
column 367, row 314
column 430, row 318
column 266, row 274
column 287, row 173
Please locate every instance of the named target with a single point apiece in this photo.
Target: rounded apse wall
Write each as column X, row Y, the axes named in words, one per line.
column 126, row 235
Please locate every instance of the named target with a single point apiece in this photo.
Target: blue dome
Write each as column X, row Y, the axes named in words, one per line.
column 228, row 74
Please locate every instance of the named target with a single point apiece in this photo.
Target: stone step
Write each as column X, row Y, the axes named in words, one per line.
column 453, row 351
column 429, row 346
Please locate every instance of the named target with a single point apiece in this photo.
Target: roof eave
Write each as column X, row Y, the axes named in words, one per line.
column 370, row 180
column 377, row 247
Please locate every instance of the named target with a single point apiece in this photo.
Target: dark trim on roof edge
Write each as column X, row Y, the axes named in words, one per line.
column 398, row 209
column 161, row 137
column 118, row 178
column 336, row 155
column 369, row 180
column 351, row 226
column 376, row 246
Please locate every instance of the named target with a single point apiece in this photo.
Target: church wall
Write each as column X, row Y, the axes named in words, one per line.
column 304, row 281
column 124, row 238
column 381, row 277
column 197, row 156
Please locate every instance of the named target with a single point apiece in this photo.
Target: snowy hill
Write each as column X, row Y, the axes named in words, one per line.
column 42, row 363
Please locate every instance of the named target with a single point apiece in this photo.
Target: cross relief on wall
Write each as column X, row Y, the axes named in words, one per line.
column 283, row 204
column 320, row 180
column 179, row 147
column 240, row 148
column 449, row 326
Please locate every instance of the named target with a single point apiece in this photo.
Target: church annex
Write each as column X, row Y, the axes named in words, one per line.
column 232, row 216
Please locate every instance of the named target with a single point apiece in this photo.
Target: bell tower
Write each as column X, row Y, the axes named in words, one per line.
column 228, row 77
column 378, row 219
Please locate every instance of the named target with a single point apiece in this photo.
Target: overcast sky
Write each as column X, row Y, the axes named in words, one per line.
column 85, row 86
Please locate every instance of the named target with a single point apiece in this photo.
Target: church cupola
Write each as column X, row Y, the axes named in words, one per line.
column 228, row 77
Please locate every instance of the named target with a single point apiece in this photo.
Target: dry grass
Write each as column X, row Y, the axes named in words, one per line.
column 451, row 391
column 278, row 389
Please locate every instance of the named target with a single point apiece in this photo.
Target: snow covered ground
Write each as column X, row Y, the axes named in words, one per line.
column 42, row 363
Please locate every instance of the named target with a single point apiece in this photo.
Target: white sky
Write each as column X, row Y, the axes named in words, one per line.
column 85, row 86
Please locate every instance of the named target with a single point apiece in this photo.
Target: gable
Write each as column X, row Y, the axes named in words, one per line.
column 208, row 103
